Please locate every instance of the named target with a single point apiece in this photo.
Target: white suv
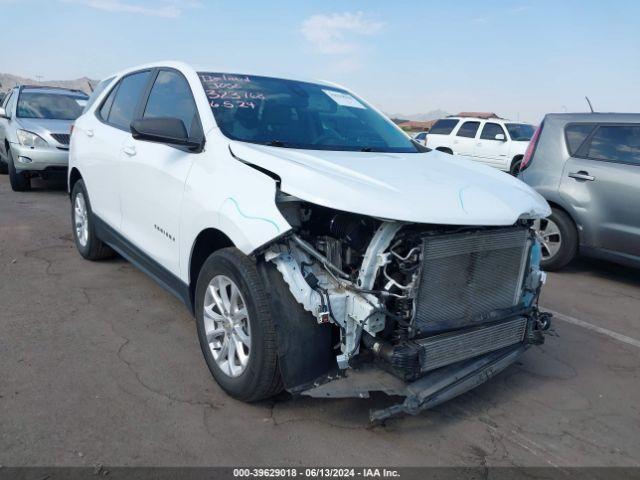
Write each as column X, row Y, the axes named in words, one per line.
column 315, row 243
column 493, row 141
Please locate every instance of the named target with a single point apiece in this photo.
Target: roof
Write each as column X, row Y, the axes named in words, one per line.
column 595, row 117
column 415, row 125
column 482, row 115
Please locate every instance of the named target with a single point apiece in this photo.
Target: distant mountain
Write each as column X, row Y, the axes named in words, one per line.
column 8, row 81
column 420, row 117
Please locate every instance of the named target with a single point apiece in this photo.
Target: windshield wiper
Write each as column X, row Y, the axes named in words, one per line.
column 275, row 143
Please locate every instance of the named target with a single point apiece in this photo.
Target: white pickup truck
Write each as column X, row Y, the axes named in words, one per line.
column 496, row 142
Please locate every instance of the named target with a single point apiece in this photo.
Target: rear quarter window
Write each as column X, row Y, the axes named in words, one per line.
column 443, row 127
column 576, row 134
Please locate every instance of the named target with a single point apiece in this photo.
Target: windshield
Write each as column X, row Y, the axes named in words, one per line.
column 520, row 132
column 287, row 113
column 56, row 106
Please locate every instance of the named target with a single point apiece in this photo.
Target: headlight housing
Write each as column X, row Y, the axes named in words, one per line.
column 30, row 139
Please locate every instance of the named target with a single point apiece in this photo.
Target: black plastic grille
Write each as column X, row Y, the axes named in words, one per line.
column 465, row 276
column 62, row 138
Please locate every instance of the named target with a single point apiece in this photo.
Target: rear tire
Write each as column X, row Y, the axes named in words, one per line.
column 83, row 226
column 560, row 240
column 4, row 168
column 18, row 180
column 249, row 370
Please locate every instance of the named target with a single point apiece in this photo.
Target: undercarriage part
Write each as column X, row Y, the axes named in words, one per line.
column 403, row 358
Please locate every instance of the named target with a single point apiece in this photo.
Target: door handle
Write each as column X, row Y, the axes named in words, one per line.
column 89, row 133
column 582, row 175
column 131, row 151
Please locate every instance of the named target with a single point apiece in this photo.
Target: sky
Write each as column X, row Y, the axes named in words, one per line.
column 519, row 58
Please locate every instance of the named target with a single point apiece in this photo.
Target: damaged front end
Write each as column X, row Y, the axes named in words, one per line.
column 419, row 310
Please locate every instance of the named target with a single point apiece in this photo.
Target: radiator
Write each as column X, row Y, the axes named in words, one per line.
column 444, row 349
column 466, row 276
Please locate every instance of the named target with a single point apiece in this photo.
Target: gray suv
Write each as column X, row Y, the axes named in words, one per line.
column 587, row 166
column 35, row 127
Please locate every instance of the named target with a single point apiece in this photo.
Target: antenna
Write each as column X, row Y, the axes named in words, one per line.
column 589, row 102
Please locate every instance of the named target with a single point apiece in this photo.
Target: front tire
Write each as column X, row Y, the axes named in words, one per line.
column 4, row 167
column 559, row 240
column 235, row 328
column 18, row 180
column 83, row 226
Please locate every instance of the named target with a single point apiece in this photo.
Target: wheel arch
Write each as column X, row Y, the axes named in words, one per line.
column 579, row 232
column 207, row 242
column 74, row 176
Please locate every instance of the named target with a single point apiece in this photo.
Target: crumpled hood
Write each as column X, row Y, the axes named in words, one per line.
column 431, row 187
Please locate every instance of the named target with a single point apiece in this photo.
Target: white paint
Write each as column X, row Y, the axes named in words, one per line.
column 595, row 328
column 161, row 198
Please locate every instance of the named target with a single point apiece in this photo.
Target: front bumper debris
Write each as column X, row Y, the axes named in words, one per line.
column 432, row 389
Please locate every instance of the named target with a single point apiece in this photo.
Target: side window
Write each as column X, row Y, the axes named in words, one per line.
column 616, row 144
column 126, row 99
column 106, row 105
column 468, row 129
column 421, row 136
column 576, row 134
column 443, row 127
column 96, row 93
column 171, row 97
column 490, row 130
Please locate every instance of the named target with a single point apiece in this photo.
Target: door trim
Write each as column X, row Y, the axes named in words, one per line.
column 143, row 262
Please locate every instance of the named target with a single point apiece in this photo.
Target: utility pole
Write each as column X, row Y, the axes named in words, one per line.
column 39, row 78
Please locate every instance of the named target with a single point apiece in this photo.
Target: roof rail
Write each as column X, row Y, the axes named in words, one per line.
column 48, row 87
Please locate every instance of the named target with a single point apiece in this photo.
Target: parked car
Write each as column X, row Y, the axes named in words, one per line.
column 420, row 137
column 314, row 242
column 495, row 142
column 587, row 166
column 35, row 123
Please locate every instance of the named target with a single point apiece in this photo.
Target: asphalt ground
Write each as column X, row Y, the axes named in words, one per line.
column 99, row 365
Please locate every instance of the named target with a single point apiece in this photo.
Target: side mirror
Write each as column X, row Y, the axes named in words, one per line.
column 3, row 113
column 163, row 130
column 500, row 137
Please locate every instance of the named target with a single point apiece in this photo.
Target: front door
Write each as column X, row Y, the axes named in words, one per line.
column 492, row 147
column 153, row 175
column 602, row 182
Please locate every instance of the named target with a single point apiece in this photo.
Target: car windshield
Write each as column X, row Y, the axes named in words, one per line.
column 56, row 106
column 520, row 132
column 287, row 113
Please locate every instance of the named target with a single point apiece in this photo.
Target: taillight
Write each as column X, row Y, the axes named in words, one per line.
column 528, row 154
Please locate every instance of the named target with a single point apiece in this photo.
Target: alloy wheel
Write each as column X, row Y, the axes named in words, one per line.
column 81, row 219
column 226, row 325
column 550, row 237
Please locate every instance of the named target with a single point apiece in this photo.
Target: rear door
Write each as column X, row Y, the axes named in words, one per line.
column 100, row 138
column 491, row 150
column 153, row 175
column 602, row 181
column 464, row 141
